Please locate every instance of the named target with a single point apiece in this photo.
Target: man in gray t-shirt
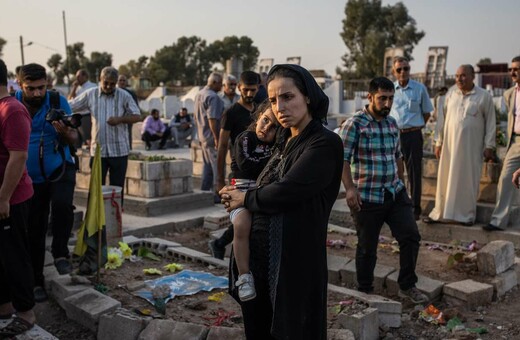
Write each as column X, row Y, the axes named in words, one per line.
column 207, row 113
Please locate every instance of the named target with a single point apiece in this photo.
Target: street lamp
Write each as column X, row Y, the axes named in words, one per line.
column 22, row 46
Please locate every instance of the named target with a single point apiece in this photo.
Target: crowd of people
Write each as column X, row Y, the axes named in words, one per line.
column 286, row 172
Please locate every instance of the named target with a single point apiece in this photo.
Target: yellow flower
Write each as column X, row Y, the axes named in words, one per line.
column 173, row 267
column 152, row 271
column 217, row 297
column 114, row 261
column 125, row 250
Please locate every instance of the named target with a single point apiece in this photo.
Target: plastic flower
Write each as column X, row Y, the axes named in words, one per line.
column 125, row 250
column 152, row 271
column 217, row 297
column 114, row 261
column 173, row 267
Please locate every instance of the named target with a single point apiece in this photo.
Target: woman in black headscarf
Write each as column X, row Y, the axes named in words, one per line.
column 291, row 207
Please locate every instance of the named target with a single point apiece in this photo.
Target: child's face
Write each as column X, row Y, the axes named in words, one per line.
column 265, row 126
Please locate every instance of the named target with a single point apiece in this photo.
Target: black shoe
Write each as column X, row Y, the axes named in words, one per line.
column 63, row 266
column 429, row 220
column 162, row 147
column 491, row 227
column 216, row 251
column 40, row 295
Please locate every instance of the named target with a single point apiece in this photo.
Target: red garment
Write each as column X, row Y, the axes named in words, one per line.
column 15, row 128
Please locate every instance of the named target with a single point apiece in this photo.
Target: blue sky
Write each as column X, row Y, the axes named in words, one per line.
column 279, row 28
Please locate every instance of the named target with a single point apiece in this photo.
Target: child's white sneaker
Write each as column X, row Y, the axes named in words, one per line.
column 246, row 287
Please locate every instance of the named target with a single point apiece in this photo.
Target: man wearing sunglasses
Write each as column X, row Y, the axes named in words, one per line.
column 411, row 110
column 505, row 192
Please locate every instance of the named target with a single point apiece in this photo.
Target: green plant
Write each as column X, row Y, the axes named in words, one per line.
column 158, row 158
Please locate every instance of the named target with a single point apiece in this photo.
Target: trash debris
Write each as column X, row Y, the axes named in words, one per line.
column 453, row 323
column 473, row 246
column 221, row 316
column 145, row 252
column 435, row 247
column 336, row 243
column 453, row 259
column 432, row 315
column 187, row 282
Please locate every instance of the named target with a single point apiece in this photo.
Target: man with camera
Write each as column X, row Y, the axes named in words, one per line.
column 52, row 170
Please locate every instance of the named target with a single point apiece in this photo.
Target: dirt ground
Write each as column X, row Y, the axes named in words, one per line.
column 501, row 318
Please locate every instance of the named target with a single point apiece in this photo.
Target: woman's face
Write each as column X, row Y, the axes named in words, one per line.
column 265, row 126
column 289, row 104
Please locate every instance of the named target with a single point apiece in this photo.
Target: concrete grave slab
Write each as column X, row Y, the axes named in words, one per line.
column 504, row 282
column 87, row 306
column 340, row 334
column 228, row 333
column 496, row 257
column 364, row 325
column 62, row 287
column 121, row 324
column 157, row 329
column 335, row 264
column 468, row 293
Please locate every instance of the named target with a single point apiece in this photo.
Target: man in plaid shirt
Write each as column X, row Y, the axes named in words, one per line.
column 373, row 179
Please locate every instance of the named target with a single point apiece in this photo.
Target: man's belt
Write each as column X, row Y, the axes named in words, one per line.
column 415, row 128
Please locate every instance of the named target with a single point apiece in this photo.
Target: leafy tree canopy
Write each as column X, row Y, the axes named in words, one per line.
column 368, row 29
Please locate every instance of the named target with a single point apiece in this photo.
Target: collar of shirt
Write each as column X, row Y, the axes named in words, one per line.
column 101, row 93
column 398, row 86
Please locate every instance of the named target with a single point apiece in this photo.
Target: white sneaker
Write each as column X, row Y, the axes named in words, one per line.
column 246, row 287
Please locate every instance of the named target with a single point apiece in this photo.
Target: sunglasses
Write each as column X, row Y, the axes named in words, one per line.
column 406, row 69
column 514, row 69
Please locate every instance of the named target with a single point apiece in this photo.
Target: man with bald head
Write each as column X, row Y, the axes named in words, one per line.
column 112, row 110
column 467, row 138
column 207, row 113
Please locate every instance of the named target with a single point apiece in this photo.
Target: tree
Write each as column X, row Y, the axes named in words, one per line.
column 368, row 29
column 97, row 61
column 2, row 44
column 55, row 64
column 484, row 61
column 135, row 68
column 236, row 47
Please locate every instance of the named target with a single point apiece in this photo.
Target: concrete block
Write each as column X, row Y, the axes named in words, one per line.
column 516, row 268
column 187, row 184
column 121, row 324
column 153, row 170
column 82, row 180
column 134, row 169
column 35, row 333
column 176, row 186
column 392, row 287
column 381, row 272
column 185, row 254
column 340, row 334
column 335, row 264
column 61, row 288
column 504, row 282
column 496, row 257
column 430, row 287
column 209, row 260
column 228, row 333
column 468, row 292
column 389, row 311
column 184, row 331
column 220, row 218
column 131, row 240
column 50, row 273
column 487, row 192
column 490, row 172
column 87, row 306
column 348, row 273
column 364, row 325
column 48, row 260
column 140, row 188
column 430, row 166
column 180, row 168
column 157, row 329
column 429, row 186
column 84, row 165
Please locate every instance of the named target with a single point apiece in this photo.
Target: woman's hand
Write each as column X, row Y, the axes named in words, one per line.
column 231, row 197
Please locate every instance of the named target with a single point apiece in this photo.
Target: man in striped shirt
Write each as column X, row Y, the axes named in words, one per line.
column 112, row 110
column 373, row 179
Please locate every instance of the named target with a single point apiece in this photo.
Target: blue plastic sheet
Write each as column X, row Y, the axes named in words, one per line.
column 186, row 282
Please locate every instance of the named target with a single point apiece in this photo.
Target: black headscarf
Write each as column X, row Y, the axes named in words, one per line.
column 319, row 102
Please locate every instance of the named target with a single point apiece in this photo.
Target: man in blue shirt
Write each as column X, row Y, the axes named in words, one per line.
column 411, row 110
column 52, row 170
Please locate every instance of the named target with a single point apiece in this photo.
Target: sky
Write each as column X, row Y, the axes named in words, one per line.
column 473, row 29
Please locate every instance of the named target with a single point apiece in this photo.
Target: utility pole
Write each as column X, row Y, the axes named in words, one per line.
column 21, row 50
column 66, row 50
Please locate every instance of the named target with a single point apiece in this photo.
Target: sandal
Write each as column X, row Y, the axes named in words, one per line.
column 15, row 327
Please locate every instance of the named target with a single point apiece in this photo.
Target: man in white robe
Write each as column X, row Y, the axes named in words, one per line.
column 468, row 136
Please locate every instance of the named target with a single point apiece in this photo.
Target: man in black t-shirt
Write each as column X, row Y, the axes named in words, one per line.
column 234, row 121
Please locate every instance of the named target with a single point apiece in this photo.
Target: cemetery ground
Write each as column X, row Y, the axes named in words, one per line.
column 501, row 318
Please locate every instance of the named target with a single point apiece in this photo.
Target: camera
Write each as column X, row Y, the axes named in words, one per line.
column 56, row 115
